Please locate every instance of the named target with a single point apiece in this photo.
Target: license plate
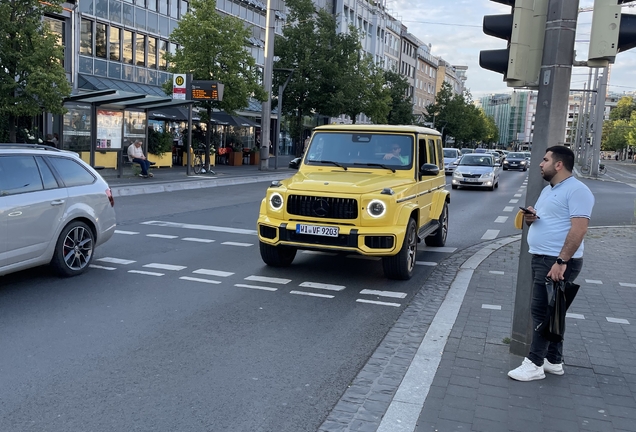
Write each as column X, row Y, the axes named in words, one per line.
column 317, row 230
column 472, row 180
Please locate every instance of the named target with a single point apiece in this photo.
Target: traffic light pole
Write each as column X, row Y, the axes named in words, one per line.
column 551, row 118
column 598, row 122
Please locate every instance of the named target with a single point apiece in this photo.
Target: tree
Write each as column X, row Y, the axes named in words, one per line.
column 624, row 108
column 32, row 77
column 214, row 47
column 401, row 107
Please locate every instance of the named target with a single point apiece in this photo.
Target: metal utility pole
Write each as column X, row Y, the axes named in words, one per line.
column 551, row 118
column 281, row 89
column 598, row 122
column 267, row 84
column 591, row 126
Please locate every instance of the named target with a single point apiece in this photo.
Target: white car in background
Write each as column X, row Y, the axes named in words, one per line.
column 451, row 159
column 476, row 170
column 54, row 209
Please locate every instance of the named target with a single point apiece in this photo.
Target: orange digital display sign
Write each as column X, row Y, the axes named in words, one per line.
column 205, row 91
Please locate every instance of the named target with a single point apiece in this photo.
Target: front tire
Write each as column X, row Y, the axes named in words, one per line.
column 74, row 249
column 439, row 238
column 401, row 265
column 277, row 256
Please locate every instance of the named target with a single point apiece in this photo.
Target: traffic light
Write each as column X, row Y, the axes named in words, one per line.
column 524, row 29
column 612, row 32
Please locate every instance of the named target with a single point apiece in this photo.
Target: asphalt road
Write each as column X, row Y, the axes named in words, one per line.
column 183, row 328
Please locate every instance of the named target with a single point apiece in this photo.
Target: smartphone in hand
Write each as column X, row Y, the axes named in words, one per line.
column 526, row 211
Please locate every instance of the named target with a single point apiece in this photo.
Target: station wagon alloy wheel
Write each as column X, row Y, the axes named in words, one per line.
column 74, row 249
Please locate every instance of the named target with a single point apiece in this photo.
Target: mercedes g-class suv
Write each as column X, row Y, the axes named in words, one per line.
column 376, row 190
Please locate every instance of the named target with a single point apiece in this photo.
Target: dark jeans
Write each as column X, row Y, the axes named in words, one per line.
column 144, row 164
column 541, row 348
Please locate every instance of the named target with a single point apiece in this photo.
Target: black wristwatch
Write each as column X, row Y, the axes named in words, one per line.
column 561, row 261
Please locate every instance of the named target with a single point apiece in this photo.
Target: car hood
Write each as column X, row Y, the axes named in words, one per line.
column 345, row 182
column 449, row 160
column 470, row 169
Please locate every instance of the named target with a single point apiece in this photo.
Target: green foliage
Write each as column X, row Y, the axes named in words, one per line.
column 624, row 108
column 159, row 142
column 401, row 107
column 32, row 78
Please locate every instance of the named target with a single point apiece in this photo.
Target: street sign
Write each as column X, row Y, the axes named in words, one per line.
column 179, row 87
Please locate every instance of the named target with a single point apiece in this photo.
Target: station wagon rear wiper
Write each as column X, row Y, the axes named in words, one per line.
column 335, row 163
column 376, row 164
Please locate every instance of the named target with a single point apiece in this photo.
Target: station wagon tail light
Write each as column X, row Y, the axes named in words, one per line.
column 376, row 208
column 109, row 194
column 276, row 201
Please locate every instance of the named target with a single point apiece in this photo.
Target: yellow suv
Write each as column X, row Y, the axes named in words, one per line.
column 376, row 190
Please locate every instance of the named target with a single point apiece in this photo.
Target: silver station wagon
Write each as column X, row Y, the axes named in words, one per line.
column 54, row 209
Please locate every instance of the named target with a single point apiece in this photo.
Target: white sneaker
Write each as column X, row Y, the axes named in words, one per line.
column 556, row 369
column 528, row 371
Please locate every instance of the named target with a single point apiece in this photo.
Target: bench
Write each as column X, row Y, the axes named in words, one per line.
column 136, row 169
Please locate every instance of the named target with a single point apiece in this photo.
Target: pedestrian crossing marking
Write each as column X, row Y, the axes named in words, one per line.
column 268, row 279
column 193, row 279
column 317, row 285
column 381, row 303
column 116, row 260
column 218, row 273
column 311, row 294
column 391, row 294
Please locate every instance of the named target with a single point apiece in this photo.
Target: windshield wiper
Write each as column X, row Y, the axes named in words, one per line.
column 376, row 164
column 335, row 163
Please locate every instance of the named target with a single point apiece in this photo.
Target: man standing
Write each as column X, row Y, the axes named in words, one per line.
column 136, row 155
column 558, row 223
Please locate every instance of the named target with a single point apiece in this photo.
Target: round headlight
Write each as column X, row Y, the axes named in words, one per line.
column 276, row 201
column 376, row 208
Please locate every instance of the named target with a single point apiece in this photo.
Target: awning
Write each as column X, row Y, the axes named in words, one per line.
column 225, row 119
column 171, row 114
column 92, row 82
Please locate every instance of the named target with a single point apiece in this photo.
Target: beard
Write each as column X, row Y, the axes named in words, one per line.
column 548, row 175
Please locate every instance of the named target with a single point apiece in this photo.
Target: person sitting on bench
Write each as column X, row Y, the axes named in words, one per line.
column 136, row 155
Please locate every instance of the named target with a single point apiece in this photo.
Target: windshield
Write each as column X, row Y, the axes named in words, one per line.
column 476, row 160
column 516, row 156
column 372, row 150
column 450, row 153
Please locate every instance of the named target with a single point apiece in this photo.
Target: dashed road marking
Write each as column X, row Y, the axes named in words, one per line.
column 147, row 273
column 517, row 195
column 193, row 279
column 201, row 227
column 95, row 266
column 617, row 320
column 199, row 240
column 163, row 236
column 237, row 244
column 508, row 208
column 165, row 266
column 513, row 201
column 312, row 294
column 391, row 294
column 501, row 219
column 593, row 281
column 268, row 279
column 426, row 263
column 126, row 232
column 381, row 303
column 323, row 286
column 492, row 307
column 490, row 234
column 116, row 260
column 263, row 288
column 218, row 273
column 625, row 284
column 497, row 272
column 574, row 315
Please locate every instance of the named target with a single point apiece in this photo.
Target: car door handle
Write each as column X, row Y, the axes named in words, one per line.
column 57, row 202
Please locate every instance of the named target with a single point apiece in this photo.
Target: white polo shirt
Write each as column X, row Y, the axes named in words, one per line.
column 555, row 207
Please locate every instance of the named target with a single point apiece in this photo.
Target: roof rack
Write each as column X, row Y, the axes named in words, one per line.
column 29, row 146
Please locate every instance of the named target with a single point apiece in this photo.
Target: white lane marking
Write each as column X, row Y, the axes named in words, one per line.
column 497, row 272
column 165, row 266
column 256, row 287
column 268, row 279
column 490, row 234
column 126, row 232
column 199, row 240
column 501, row 219
column 381, row 303
column 218, row 273
column 493, row 307
column 193, row 279
column 201, row 227
column 407, row 403
column 101, row 267
column 517, row 195
column 147, row 273
column 165, row 236
column 617, row 320
column 310, row 252
column 364, row 257
column 383, row 293
column 237, row 244
column 115, row 260
column 574, row 315
column 593, row 281
column 508, row 208
column 625, row 284
column 317, row 285
column 311, row 294
column 438, row 249
column 426, row 263
column 513, row 201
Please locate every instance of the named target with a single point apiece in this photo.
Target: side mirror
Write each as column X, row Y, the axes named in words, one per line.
column 295, row 163
column 429, row 170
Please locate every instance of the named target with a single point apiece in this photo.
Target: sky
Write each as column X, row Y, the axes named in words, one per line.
column 454, row 29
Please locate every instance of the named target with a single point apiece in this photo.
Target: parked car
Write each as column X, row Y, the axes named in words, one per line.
column 451, row 159
column 54, row 208
column 476, row 170
column 373, row 190
column 515, row 160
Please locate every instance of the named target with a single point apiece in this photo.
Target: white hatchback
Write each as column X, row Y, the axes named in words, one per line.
column 54, row 208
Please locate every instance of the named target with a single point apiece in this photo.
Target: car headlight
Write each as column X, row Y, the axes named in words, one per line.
column 376, row 208
column 276, row 201
column 457, row 174
column 523, row 162
column 488, row 175
column 505, row 162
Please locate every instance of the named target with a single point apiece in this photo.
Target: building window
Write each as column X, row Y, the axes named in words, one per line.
column 86, row 38
column 163, row 6
column 163, row 48
column 141, row 3
column 114, row 70
column 115, row 11
column 152, row 22
column 174, row 8
column 140, row 50
column 164, row 30
column 128, row 47
column 184, row 9
column 115, row 43
column 152, row 53
column 129, row 17
column 100, row 40
column 152, row 4
column 86, row 6
column 101, row 9
column 140, row 18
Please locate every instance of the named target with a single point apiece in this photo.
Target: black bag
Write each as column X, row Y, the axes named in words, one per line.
column 560, row 297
